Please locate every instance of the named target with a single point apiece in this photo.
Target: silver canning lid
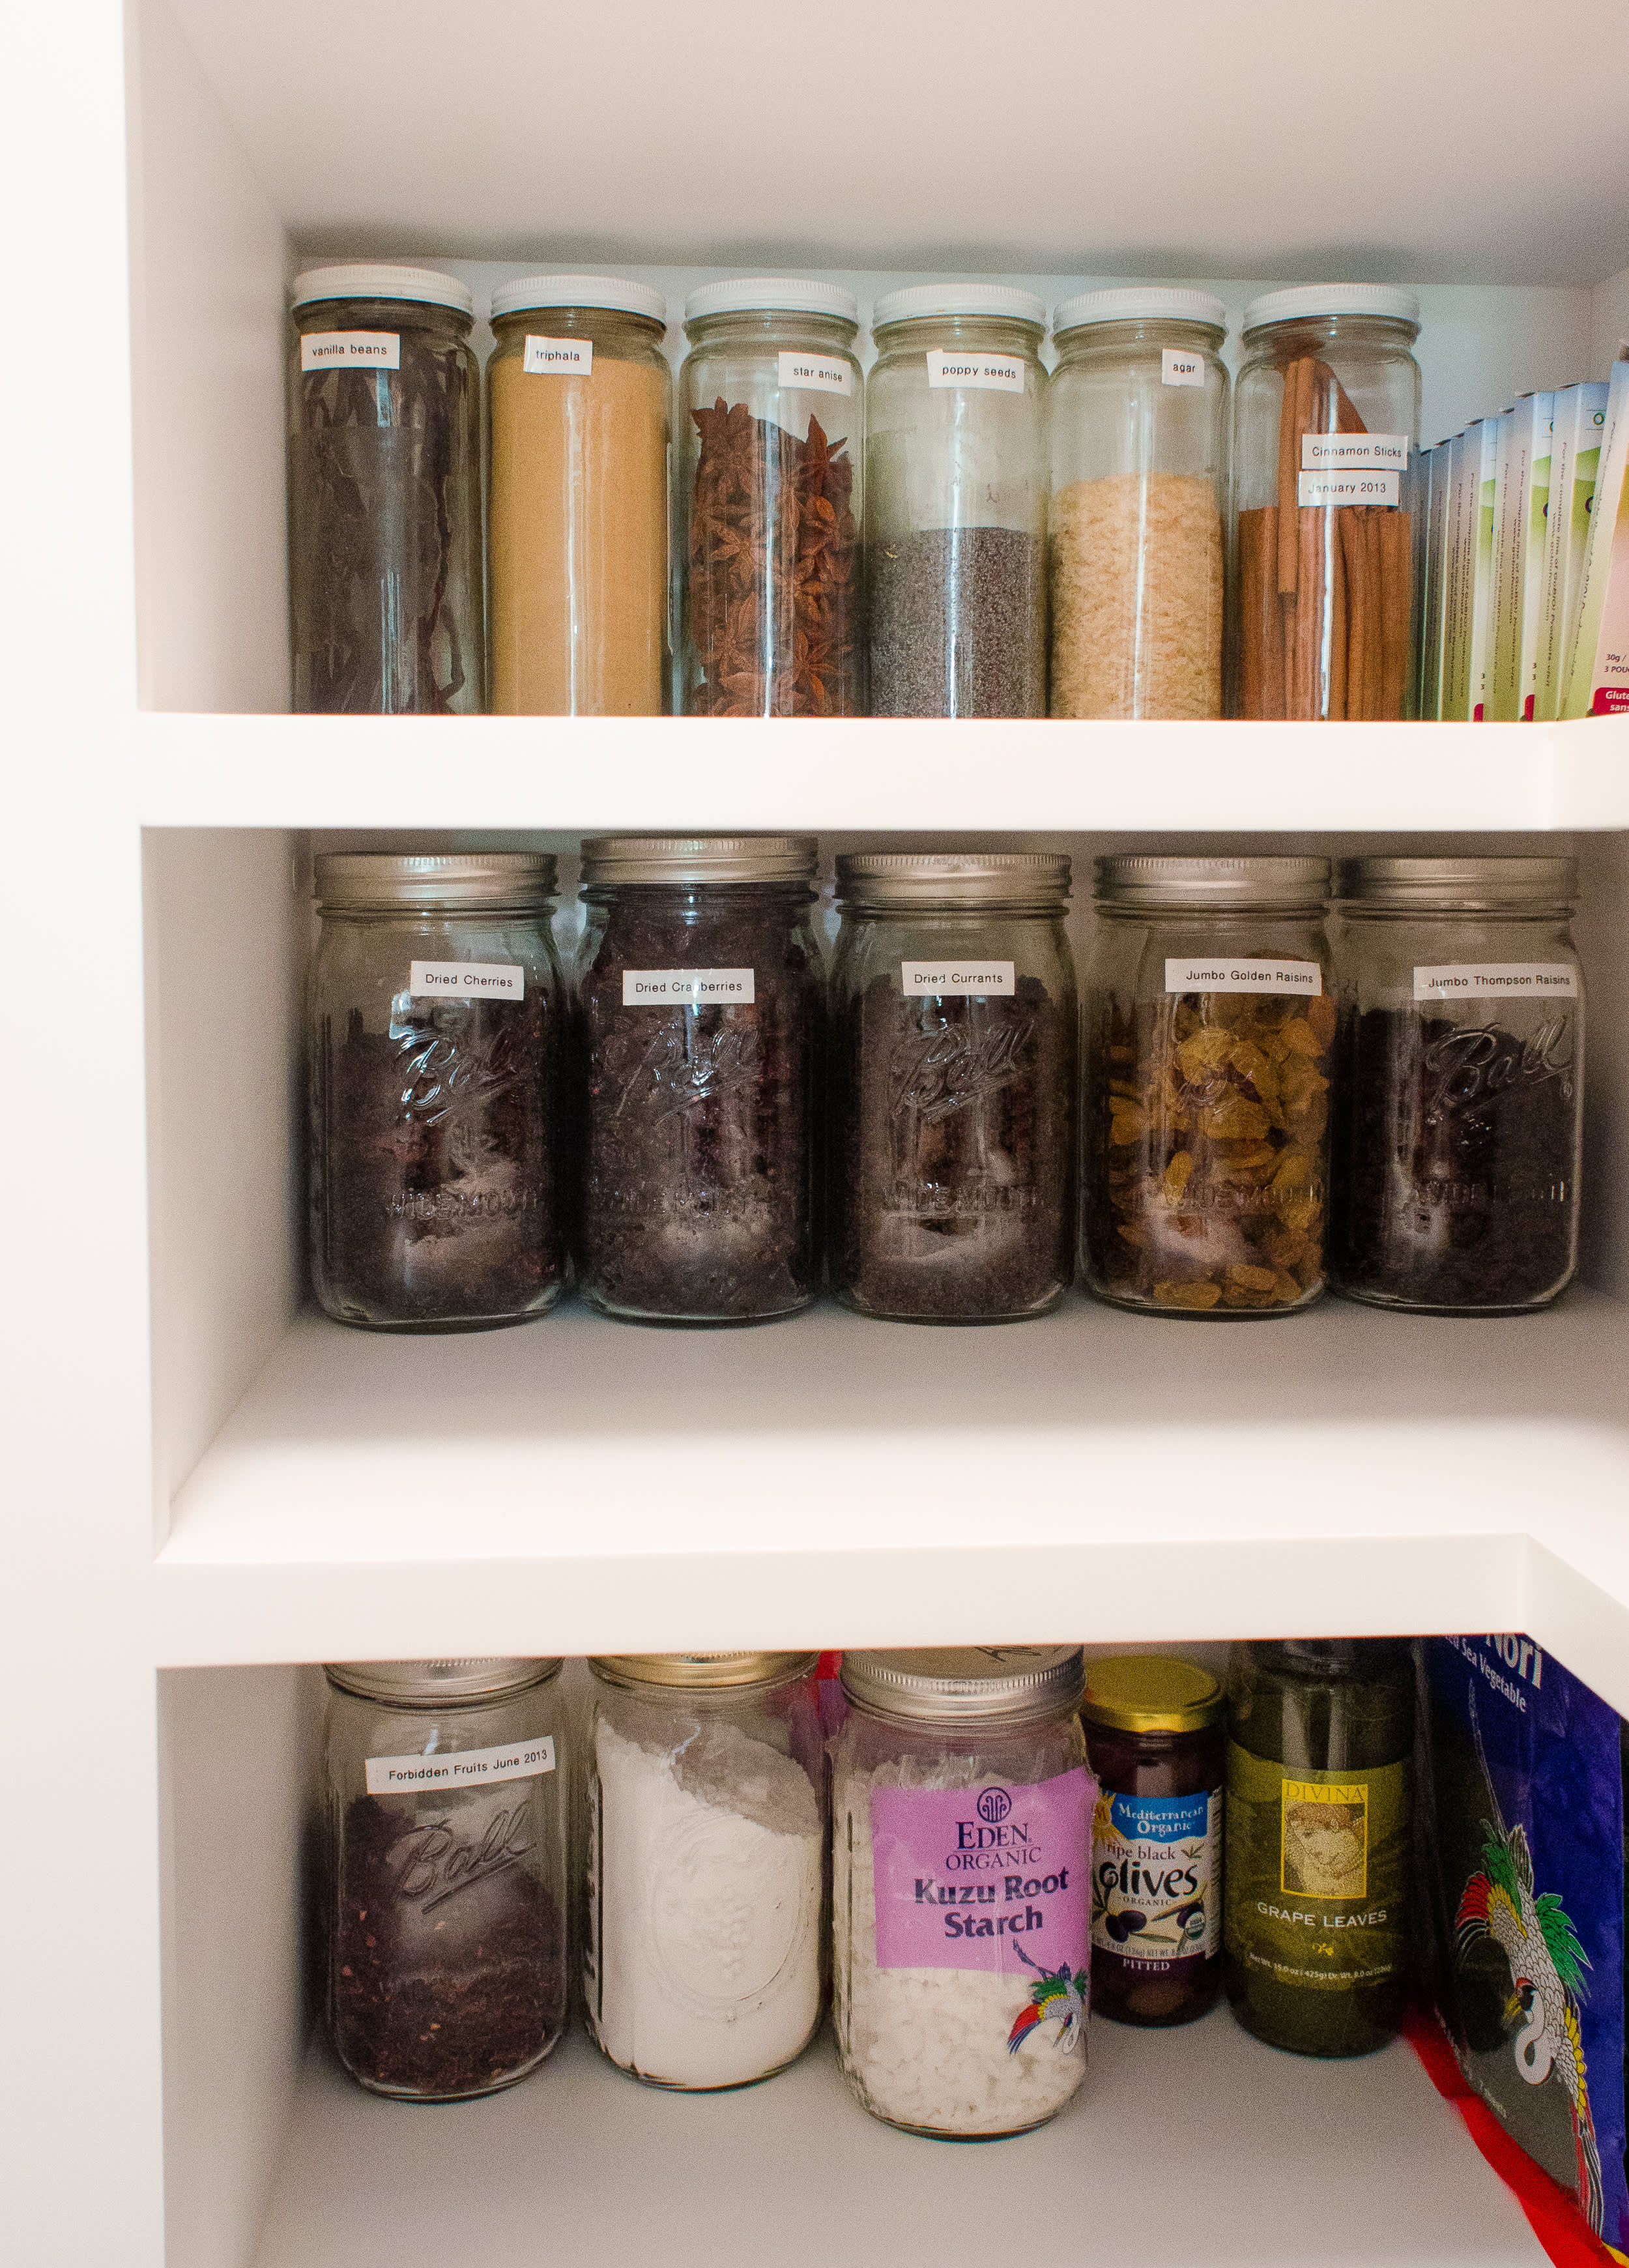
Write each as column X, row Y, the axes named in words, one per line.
column 482, row 1679
column 699, row 858
column 966, row 1685
column 1459, row 885
column 955, row 878
column 460, row 880
column 712, row 1672
column 374, row 280
column 1293, row 884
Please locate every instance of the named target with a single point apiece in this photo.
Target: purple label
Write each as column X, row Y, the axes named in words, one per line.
column 987, row 1877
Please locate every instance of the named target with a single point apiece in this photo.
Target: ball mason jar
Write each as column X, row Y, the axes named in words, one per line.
column 383, row 431
column 961, row 1836
column 955, row 502
column 700, row 1006
column 577, row 418
column 435, row 1064
column 1326, row 436
column 704, row 1854
column 446, row 1822
column 952, row 1068
column 1461, row 1058
column 1209, row 1028
column 1138, row 409
column 769, row 455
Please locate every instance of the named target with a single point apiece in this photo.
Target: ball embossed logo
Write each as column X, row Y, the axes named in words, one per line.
column 994, row 1805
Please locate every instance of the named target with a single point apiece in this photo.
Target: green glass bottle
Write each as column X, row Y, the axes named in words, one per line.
column 1319, row 1816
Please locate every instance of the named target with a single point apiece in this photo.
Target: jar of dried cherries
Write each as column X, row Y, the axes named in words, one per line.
column 1156, row 1734
column 447, row 1835
column 700, row 1004
column 953, row 1072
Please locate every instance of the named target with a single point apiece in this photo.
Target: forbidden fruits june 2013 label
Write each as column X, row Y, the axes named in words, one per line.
column 990, row 1877
column 1156, row 1873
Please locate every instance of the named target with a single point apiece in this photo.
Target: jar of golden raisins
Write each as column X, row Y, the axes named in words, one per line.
column 1209, row 1023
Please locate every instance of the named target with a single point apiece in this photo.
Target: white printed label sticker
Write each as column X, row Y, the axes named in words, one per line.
column 816, row 373
column 466, row 980
column 921, row 980
column 461, row 1768
column 558, row 357
column 1497, row 979
column 993, row 373
column 350, row 351
column 1179, row 369
column 1348, row 487
column 1220, row 973
column 687, row 988
column 1355, row 453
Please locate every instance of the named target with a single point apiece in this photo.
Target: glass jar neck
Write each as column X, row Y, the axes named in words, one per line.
column 615, row 330
column 382, row 315
column 969, row 334
column 952, row 909
column 701, row 895
column 1309, row 335
column 1146, row 331
column 1464, row 916
column 536, row 909
column 773, row 326
column 1189, row 914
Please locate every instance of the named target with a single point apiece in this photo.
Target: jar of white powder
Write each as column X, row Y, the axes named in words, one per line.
column 704, row 1847
column 962, row 1811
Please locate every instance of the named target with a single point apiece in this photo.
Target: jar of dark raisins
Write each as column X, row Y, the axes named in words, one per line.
column 1462, row 1004
column 1210, row 1028
column 1156, row 1736
column 953, row 1074
column 700, row 1004
column 435, row 1072
column 446, row 1822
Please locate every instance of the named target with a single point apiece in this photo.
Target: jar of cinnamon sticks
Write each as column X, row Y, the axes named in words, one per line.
column 1326, row 435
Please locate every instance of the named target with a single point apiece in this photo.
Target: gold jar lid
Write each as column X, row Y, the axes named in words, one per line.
column 695, row 1670
column 1151, row 1693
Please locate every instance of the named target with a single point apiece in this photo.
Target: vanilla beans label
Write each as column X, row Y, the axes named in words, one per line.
column 350, row 351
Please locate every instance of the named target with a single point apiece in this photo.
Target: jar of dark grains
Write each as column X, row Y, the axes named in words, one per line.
column 953, row 1076
column 1209, row 1025
column 385, row 567
column 1156, row 1735
column 955, row 502
column 700, row 1004
column 447, row 1835
column 769, row 449
column 436, row 1056
column 1462, row 1078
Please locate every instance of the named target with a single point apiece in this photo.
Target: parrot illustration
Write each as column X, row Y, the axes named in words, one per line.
column 1548, row 1965
column 1058, row 1992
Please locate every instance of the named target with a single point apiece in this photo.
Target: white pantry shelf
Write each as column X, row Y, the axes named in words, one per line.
column 1197, row 2143
column 583, row 773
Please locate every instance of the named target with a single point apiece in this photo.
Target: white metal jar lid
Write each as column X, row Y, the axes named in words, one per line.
column 1306, row 302
column 610, row 292
column 699, row 858
column 1459, row 885
column 376, row 281
column 1279, row 884
column 354, row 879
column 769, row 295
column 483, row 1678
column 955, row 878
column 966, row 1685
column 713, row 1672
column 1000, row 302
column 1140, row 303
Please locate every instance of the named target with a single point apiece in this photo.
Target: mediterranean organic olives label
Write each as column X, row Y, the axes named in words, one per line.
column 688, row 987
column 1156, row 1877
column 466, row 980
column 1497, row 979
column 1317, row 1871
column 558, row 357
column 921, row 980
column 526, row 1759
column 350, row 351
column 991, row 1876
column 1220, row 972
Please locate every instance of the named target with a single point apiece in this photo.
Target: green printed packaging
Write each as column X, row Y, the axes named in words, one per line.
column 1598, row 671
column 1575, row 459
column 1521, row 490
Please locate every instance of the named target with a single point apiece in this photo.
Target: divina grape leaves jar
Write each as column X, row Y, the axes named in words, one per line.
column 962, row 1810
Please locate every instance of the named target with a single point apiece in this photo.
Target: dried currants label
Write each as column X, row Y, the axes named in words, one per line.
column 466, row 980
column 558, row 357
column 1220, row 973
column 816, row 373
column 467, row 1768
column 992, row 373
column 688, row 987
column 921, row 980
column 1497, row 979
column 350, row 351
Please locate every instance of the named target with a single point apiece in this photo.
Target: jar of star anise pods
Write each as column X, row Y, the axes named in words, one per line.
column 699, row 1007
column 1209, row 1025
column 769, row 447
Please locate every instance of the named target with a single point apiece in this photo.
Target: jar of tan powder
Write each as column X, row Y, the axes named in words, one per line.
column 577, row 394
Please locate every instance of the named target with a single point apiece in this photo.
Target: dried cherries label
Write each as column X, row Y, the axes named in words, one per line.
column 1155, row 1878
column 989, row 1877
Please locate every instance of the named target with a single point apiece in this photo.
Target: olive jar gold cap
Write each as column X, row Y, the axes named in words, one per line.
column 965, row 1684
column 700, row 1671
column 374, row 280
column 1290, row 885
column 484, row 1678
column 699, row 858
column 1459, row 885
column 952, row 878
column 1152, row 1693
column 450, row 883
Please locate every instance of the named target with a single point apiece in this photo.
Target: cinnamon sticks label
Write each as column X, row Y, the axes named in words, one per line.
column 558, row 357
column 1353, row 453
column 1348, row 487
column 816, row 373
column 350, row 351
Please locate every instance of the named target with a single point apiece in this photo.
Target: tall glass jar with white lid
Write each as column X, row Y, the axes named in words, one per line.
column 955, row 502
column 1138, row 408
column 1326, row 435
column 768, row 468
column 961, row 1885
column 704, row 1851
